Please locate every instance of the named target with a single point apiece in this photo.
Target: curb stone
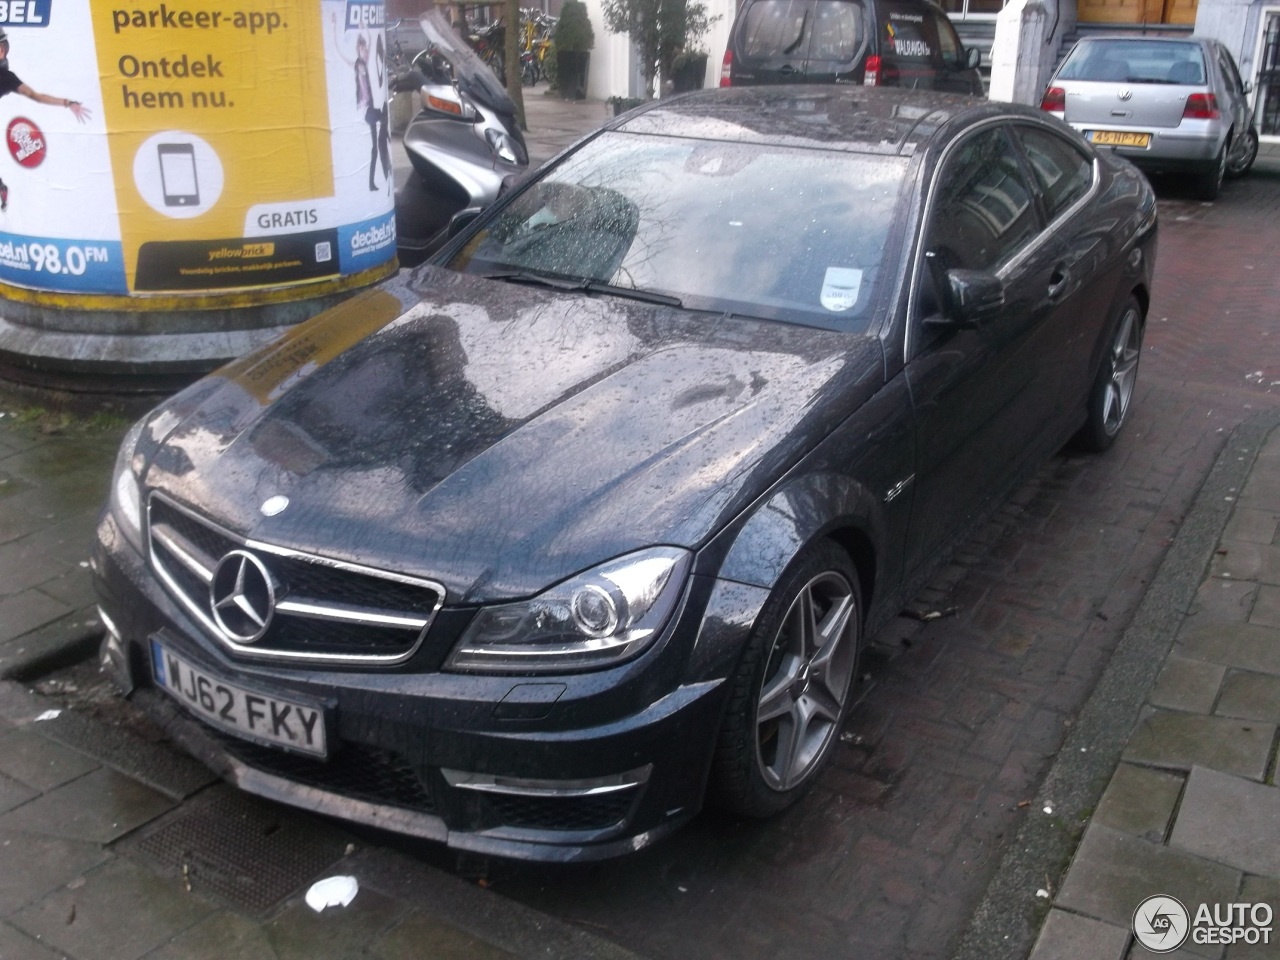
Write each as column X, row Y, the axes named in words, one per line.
column 69, row 639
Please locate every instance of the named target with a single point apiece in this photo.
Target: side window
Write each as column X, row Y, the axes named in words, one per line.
column 983, row 212
column 1062, row 171
column 1229, row 71
column 948, row 43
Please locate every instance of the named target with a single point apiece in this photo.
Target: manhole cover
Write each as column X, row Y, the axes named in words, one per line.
column 248, row 852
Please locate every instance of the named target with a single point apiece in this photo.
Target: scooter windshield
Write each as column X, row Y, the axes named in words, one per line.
column 472, row 75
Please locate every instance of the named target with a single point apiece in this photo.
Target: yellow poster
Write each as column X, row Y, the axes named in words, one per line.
column 220, row 148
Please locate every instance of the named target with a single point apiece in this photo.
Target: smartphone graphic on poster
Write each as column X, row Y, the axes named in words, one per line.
column 178, row 174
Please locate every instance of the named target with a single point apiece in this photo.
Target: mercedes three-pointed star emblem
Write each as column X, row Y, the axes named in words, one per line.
column 243, row 597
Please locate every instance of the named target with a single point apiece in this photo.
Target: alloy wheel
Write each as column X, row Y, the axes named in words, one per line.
column 807, row 680
column 1125, row 349
column 1243, row 152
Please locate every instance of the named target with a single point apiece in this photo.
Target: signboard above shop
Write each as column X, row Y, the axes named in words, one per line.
column 220, row 149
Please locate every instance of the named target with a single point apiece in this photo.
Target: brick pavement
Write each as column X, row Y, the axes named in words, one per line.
column 959, row 720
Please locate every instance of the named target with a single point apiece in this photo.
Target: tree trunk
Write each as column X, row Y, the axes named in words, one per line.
column 511, row 53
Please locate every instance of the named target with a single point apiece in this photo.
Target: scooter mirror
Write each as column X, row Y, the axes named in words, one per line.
column 461, row 220
column 439, row 98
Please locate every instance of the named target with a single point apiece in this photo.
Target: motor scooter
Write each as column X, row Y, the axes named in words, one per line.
column 463, row 143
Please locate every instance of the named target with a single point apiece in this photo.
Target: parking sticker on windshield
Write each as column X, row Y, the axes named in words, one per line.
column 840, row 288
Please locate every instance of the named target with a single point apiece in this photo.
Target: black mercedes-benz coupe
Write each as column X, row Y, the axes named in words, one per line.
column 581, row 526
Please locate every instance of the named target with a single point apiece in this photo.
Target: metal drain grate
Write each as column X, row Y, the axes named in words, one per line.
column 248, row 852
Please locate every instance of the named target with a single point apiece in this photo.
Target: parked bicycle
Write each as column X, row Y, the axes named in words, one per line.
column 536, row 28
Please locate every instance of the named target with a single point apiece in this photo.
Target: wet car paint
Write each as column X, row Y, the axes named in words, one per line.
column 581, row 430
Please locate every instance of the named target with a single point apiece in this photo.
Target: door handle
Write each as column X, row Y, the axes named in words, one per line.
column 1058, row 281
column 786, row 68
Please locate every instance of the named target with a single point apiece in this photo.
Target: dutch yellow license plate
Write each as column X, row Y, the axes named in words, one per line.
column 1115, row 138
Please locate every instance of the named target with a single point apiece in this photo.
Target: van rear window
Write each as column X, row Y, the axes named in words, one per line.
column 776, row 28
column 805, row 29
column 837, row 31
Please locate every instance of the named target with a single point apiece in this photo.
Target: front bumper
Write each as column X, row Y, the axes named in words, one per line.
column 590, row 766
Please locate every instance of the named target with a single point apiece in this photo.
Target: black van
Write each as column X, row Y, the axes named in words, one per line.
column 891, row 43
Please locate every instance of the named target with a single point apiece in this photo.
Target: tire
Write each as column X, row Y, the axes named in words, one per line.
column 1244, row 150
column 1111, row 395
column 798, row 666
column 1209, row 183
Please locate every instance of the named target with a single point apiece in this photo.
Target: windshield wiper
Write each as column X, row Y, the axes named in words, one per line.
column 585, row 286
column 632, row 293
column 542, row 280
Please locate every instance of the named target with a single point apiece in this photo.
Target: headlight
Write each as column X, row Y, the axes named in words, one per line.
column 502, row 144
column 595, row 619
column 126, row 498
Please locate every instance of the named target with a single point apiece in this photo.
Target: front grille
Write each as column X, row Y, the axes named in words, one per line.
column 324, row 609
column 359, row 772
column 596, row 812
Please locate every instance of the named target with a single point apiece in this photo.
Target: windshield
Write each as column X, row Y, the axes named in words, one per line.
column 777, row 232
column 1135, row 61
column 446, row 50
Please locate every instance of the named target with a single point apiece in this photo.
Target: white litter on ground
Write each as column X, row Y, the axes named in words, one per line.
column 332, row 892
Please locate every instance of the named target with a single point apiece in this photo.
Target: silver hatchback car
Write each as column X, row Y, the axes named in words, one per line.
column 1175, row 105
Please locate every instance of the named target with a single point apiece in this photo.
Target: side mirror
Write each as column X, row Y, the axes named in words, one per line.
column 972, row 58
column 461, row 220
column 967, row 298
column 975, row 296
column 1248, row 86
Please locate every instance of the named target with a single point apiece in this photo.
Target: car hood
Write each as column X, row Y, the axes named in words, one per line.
column 498, row 438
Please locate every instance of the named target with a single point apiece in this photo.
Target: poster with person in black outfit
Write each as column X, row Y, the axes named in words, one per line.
column 11, row 83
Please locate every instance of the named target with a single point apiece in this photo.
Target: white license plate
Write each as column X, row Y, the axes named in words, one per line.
column 255, row 716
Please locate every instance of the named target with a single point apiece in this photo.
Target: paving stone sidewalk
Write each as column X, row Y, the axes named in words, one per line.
column 1192, row 811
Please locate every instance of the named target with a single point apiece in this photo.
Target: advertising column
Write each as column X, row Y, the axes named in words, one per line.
column 212, row 147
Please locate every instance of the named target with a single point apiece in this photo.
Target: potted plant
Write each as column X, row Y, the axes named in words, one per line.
column 661, row 31
column 688, row 70
column 574, row 39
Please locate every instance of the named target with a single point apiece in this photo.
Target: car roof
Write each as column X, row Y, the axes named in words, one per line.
column 1147, row 38
column 882, row 120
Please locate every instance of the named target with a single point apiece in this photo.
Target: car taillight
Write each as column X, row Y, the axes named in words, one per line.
column 1054, row 100
column 726, row 66
column 1201, row 106
column 872, row 77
